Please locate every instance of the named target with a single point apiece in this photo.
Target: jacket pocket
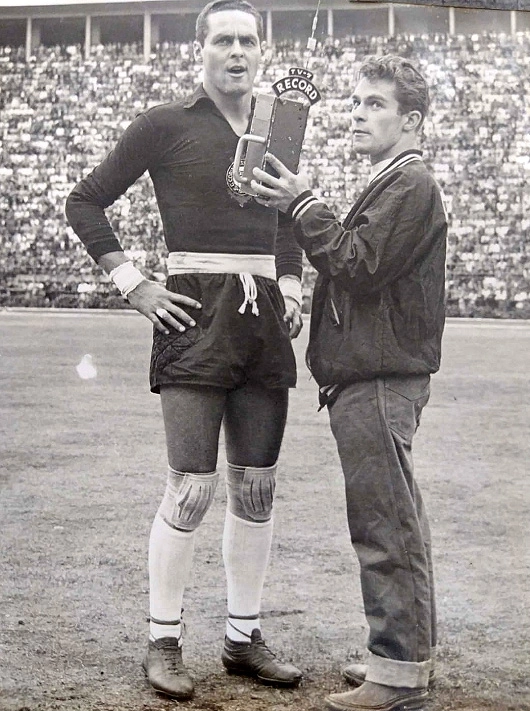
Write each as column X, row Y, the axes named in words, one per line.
column 333, row 312
column 333, row 306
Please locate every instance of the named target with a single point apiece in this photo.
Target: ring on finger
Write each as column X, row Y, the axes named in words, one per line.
column 162, row 313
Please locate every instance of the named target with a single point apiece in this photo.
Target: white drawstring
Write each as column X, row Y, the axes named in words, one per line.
column 251, row 293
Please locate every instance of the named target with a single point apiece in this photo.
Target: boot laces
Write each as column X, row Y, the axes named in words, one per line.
column 172, row 657
column 263, row 648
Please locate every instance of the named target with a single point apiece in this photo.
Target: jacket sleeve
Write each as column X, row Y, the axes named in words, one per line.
column 288, row 251
column 86, row 204
column 383, row 239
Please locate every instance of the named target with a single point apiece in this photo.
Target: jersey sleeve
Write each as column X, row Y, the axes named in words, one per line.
column 86, row 204
column 288, row 251
column 384, row 239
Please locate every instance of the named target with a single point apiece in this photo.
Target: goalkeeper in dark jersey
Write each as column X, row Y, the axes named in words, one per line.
column 221, row 344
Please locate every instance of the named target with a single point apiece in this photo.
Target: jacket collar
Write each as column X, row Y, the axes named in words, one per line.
column 384, row 167
column 397, row 162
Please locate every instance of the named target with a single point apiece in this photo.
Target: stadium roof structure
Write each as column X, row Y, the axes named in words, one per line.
column 48, row 3
column 65, row 8
column 56, row 7
column 36, row 7
column 520, row 5
column 290, row 4
column 32, row 23
column 185, row 5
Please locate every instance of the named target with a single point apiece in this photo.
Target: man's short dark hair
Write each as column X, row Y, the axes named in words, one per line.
column 412, row 92
column 201, row 26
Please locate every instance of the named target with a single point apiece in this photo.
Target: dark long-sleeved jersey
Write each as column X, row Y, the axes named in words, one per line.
column 188, row 148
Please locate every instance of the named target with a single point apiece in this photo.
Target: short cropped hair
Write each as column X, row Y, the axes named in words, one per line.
column 412, row 92
column 201, row 25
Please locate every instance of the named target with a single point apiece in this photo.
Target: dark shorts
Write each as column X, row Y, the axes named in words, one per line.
column 225, row 349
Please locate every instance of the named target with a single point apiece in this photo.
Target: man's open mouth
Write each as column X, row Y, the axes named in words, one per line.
column 237, row 70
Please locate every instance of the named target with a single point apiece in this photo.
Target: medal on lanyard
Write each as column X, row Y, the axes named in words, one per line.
column 278, row 123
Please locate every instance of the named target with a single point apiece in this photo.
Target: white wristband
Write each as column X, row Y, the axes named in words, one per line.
column 292, row 287
column 126, row 277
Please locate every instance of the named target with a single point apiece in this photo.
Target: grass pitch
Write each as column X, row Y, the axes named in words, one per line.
column 82, row 470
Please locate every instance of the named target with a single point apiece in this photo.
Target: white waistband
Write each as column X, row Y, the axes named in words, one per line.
column 263, row 265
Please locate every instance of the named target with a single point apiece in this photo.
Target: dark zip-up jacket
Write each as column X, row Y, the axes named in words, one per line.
column 378, row 304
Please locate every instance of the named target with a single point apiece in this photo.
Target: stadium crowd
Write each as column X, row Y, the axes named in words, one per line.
column 60, row 113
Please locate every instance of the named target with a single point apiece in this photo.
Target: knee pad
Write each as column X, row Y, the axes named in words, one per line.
column 250, row 492
column 187, row 498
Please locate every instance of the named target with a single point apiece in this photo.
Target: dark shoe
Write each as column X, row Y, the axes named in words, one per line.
column 355, row 674
column 165, row 669
column 376, row 697
column 255, row 659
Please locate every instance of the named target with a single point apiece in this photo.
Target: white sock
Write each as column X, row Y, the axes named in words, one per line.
column 240, row 630
column 170, row 560
column 246, row 549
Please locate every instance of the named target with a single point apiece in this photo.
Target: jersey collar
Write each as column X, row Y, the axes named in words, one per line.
column 198, row 95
